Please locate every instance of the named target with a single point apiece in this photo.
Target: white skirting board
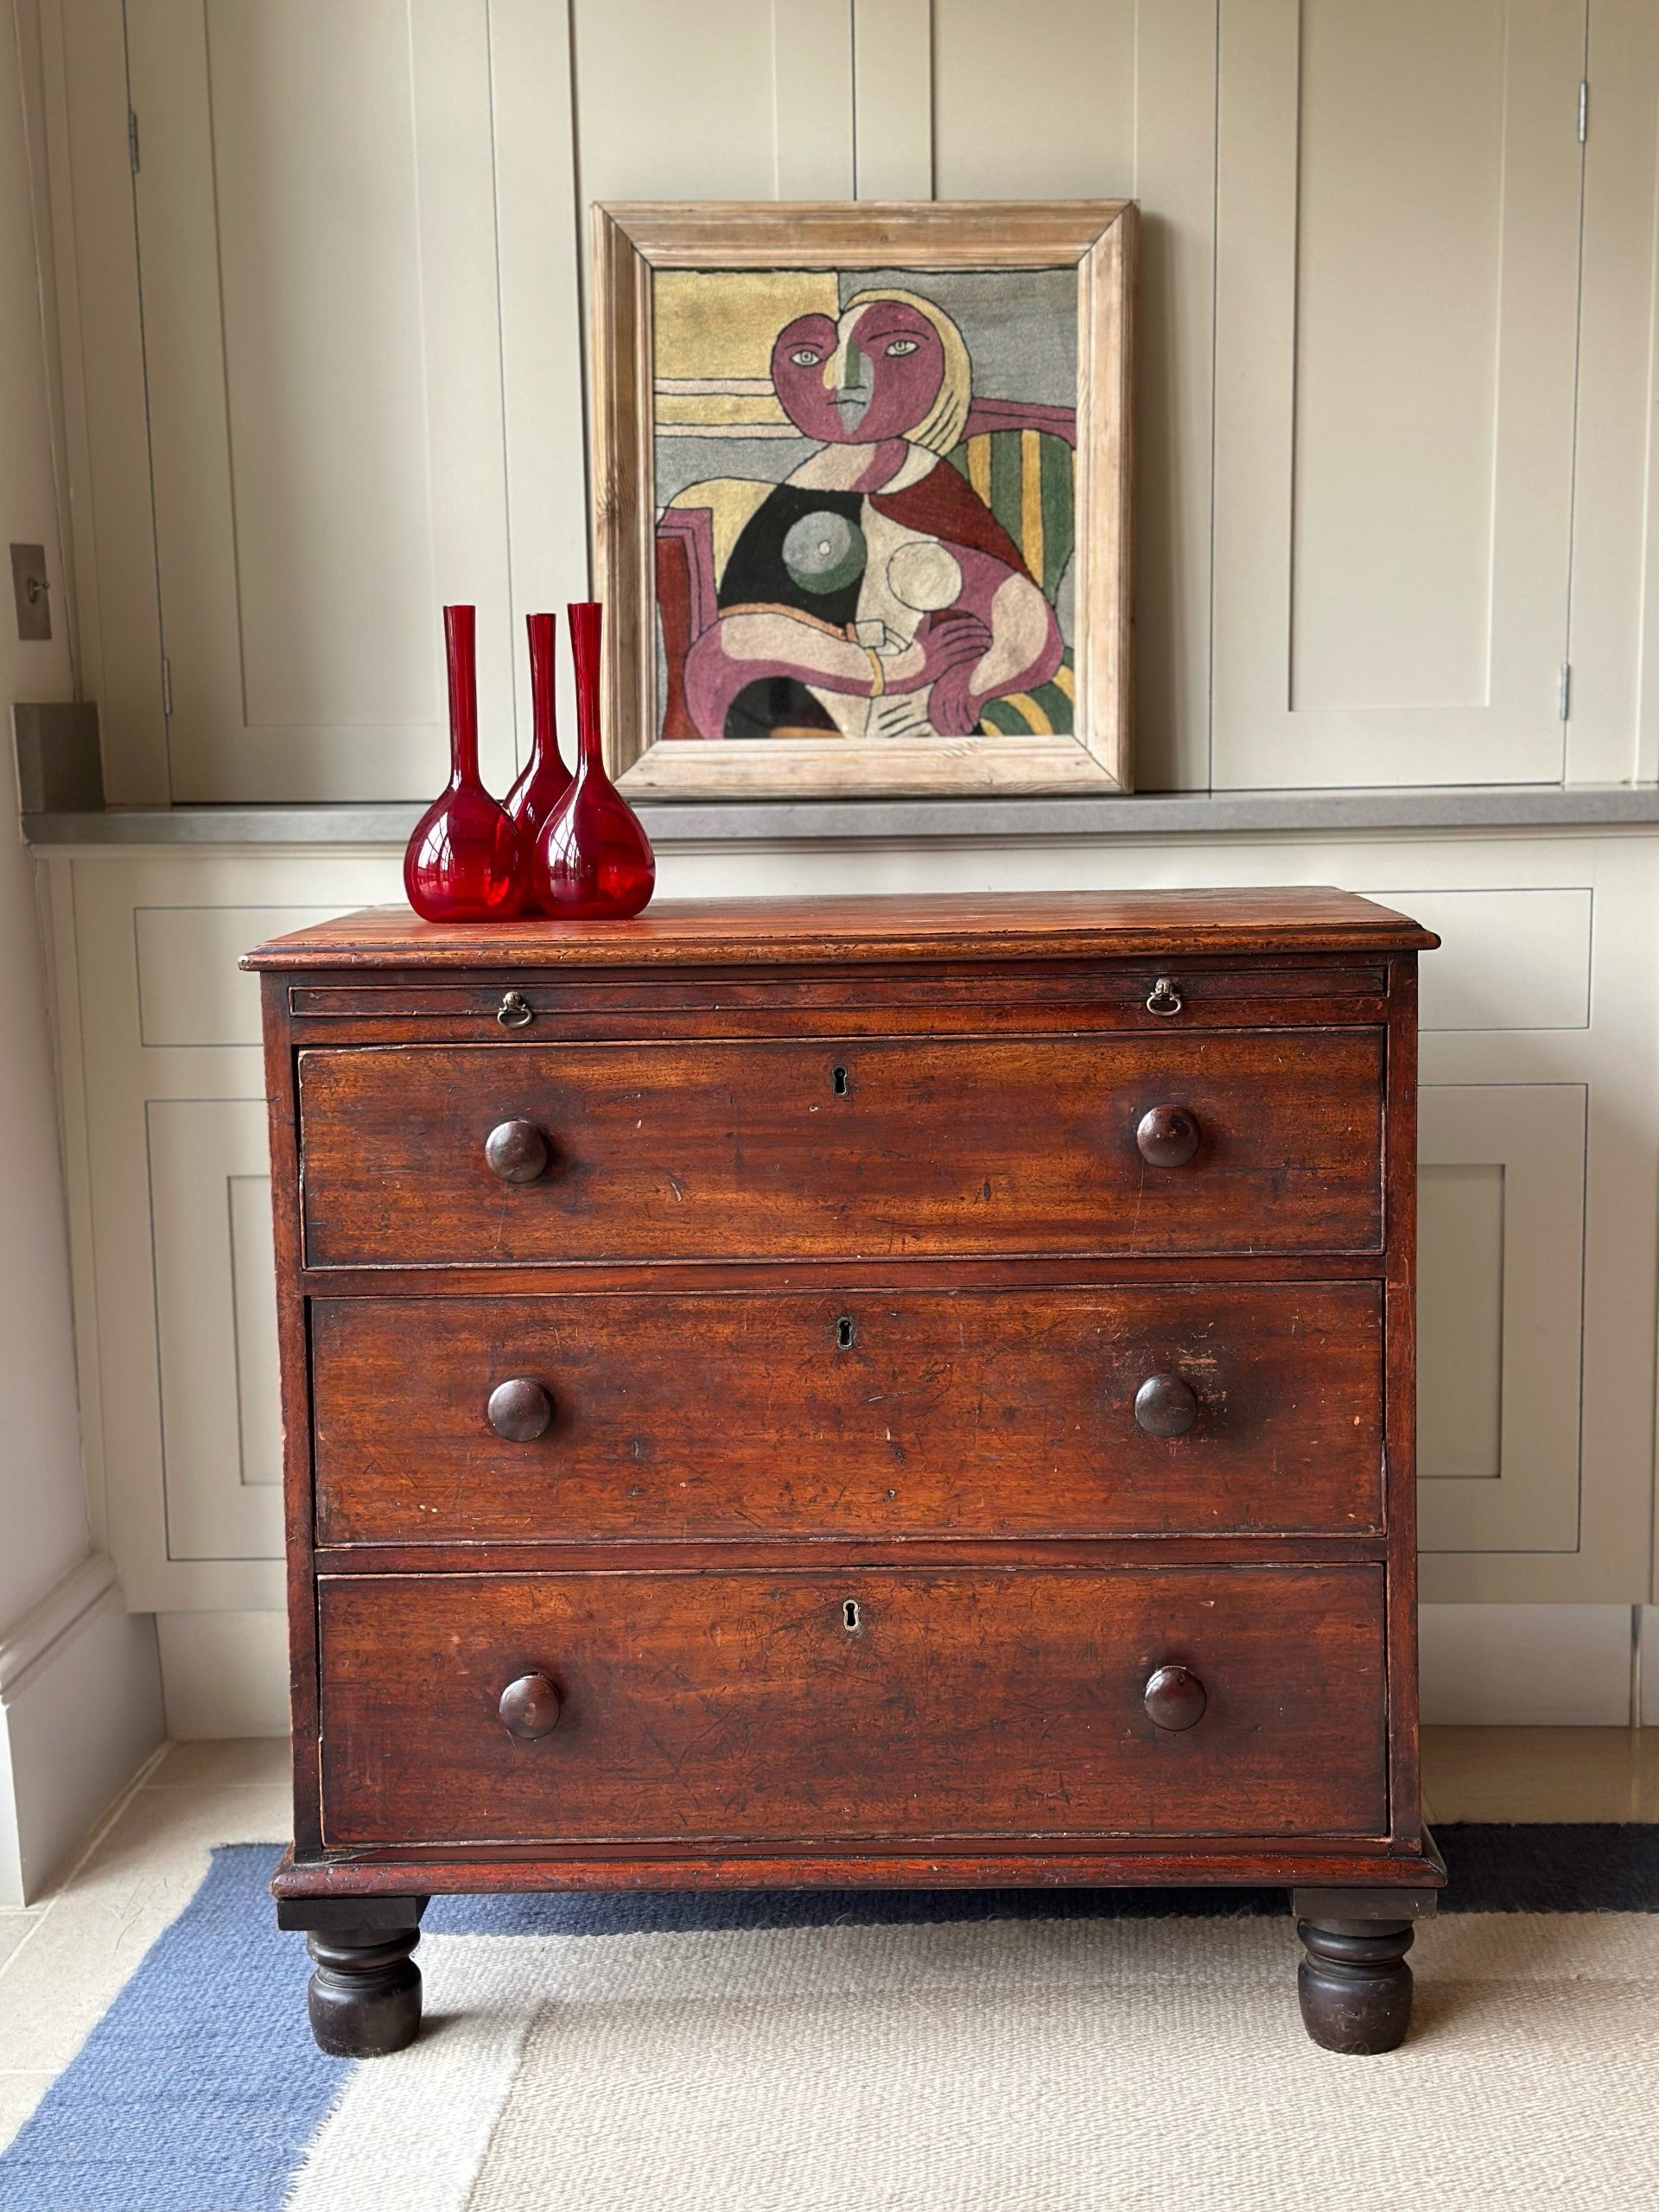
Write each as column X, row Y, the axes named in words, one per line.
column 227, row 1674
column 80, row 1711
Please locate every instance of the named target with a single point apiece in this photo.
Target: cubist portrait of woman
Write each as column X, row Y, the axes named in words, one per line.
column 887, row 551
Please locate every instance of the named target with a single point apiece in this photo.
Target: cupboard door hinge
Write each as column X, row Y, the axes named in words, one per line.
column 1584, row 109
column 1564, row 702
column 132, row 139
column 167, row 689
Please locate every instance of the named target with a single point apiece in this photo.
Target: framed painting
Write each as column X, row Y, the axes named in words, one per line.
column 862, row 495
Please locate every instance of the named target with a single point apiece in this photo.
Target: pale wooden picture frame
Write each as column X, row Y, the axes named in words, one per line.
column 629, row 246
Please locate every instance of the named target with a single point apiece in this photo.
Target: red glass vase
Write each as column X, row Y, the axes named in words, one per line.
column 546, row 779
column 465, row 862
column 592, row 859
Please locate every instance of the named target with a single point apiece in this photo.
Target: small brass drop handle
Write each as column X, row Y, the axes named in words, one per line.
column 1163, row 997
column 1174, row 1699
column 1167, row 1136
column 515, row 1151
column 1165, row 1406
column 529, row 1708
column 519, row 1410
column 515, row 1010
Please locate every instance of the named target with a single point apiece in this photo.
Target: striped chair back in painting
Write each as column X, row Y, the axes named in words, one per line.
column 1022, row 462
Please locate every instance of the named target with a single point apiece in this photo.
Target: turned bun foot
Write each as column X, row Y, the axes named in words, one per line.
column 364, row 1998
column 1354, row 1984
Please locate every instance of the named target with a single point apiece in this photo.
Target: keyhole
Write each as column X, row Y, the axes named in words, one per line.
column 850, row 1616
column 838, row 1081
column 844, row 1331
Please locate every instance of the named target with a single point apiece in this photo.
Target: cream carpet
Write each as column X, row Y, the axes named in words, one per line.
column 1013, row 2066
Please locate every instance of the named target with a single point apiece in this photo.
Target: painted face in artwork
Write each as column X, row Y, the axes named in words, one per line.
column 872, row 375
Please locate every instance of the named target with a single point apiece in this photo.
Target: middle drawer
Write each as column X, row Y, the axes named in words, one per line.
column 1210, row 1410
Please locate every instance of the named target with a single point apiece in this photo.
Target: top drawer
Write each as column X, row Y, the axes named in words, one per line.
column 864, row 1147
column 1145, row 996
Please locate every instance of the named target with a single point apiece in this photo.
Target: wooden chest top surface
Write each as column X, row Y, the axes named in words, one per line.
column 954, row 927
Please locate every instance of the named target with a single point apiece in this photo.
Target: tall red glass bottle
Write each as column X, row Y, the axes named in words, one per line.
column 546, row 778
column 464, row 863
column 593, row 859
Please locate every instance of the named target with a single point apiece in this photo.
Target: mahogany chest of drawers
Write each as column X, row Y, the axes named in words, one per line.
column 892, row 1391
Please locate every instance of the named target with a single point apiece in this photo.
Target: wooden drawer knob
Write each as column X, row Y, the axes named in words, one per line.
column 1168, row 1136
column 529, row 1708
column 515, row 1151
column 1174, row 1699
column 1165, row 1406
column 519, row 1410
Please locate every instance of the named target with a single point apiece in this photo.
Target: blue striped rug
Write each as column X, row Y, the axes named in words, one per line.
column 200, row 2091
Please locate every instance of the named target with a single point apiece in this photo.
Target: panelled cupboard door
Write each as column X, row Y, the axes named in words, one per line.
column 1399, row 191
column 216, row 1327
column 1500, row 1315
column 1088, row 99
column 318, row 267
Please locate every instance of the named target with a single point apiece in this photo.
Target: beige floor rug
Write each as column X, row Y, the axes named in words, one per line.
column 1014, row 2066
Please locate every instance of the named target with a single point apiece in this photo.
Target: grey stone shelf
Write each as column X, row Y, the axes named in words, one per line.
column 1455, row 807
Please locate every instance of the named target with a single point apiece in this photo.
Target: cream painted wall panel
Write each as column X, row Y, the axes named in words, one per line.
column 220, row 1427
column 1612, row 733
column 317, row 246
column 321, row 460
column 1402, row 142
column 1526, row 1666
column 190, row 989
column 224, row 1674
column 893, row 96
column 96, row 274
column 1460, row 1318
column 1398, row 195
column 812, row 92
column 677, row 103
column 1503, row 1304
column 1513, row 959
column 1099, row 99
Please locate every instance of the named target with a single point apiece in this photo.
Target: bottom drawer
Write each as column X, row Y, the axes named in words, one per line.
column 875, row 1704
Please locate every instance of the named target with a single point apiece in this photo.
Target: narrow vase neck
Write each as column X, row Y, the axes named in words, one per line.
column 544, row 721
column 585, row 618
column 461, row 643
